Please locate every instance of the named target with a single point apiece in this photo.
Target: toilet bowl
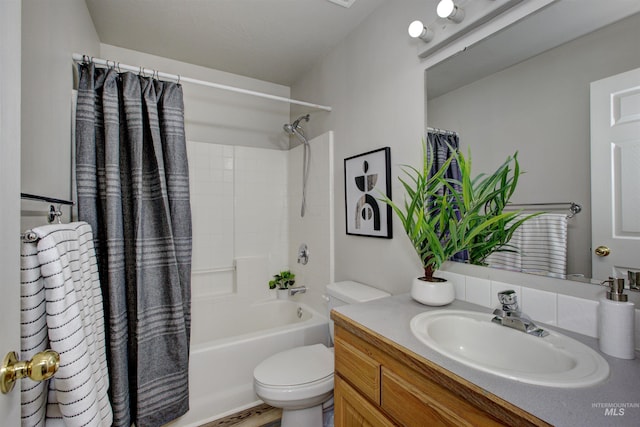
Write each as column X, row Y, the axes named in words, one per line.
column 300, row 380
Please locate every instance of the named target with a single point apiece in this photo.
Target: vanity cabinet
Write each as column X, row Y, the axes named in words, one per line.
column 379, row 383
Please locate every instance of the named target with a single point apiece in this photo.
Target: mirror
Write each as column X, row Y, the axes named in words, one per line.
column 526, row 89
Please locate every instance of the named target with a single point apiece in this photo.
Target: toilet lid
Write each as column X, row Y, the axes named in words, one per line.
column 297, row 366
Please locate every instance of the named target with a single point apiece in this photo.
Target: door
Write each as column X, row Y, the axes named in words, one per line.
column 10, row 14
column 615, row 175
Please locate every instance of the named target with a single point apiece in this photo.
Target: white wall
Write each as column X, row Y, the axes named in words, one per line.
column 214, row 115
column 540, row 107
column 9, row 189
column 375, row 83
column 51, row 32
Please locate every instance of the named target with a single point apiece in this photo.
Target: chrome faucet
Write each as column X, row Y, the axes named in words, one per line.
column 297, row 290
column 511, row 316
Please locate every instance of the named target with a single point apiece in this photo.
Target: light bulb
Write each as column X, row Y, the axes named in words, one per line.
column 418, row 30
column 447, row 9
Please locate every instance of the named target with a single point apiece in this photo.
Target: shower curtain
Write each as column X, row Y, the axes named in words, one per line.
column 441, row 146
column 133, row 189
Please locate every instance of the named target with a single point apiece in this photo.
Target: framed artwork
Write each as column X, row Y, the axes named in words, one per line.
column 367, row 177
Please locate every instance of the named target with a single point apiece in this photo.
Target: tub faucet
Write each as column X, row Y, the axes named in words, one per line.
column 297, row 290
column 511, row 316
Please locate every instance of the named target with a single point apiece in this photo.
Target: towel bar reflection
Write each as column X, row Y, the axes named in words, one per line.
column 574, row 208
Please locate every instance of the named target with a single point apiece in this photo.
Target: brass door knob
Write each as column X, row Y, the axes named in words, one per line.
column 41, row 367
column 602, row 251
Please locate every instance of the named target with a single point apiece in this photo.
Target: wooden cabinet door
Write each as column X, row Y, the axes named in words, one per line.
column 413, row 400
column 359, row 369
column 353, row 410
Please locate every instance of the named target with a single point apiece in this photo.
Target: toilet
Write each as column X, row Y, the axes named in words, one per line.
column 300, row 380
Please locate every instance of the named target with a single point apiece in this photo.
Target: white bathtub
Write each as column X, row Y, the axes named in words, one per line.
column 229, row 337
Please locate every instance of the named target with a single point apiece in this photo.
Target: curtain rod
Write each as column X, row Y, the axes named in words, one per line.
column 160, row 75
column 441, row 131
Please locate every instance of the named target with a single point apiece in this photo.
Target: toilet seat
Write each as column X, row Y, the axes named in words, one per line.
column 300, row 377
column 296, row 367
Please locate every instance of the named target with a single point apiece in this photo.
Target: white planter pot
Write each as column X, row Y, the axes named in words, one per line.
column 282, row 293
column 433, row 293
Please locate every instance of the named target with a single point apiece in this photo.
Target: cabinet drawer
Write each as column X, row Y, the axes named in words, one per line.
column 361, row 370
column 353, row 410
column 413, row 400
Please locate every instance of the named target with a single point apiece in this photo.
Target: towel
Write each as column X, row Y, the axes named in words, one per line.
column 542, row 247
column 61, row 309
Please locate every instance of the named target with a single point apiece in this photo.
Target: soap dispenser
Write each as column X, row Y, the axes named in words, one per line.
column 616, row 321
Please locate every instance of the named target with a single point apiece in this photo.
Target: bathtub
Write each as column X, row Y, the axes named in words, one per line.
column 229, row 337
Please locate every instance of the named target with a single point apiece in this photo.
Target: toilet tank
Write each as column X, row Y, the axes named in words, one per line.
column 349, row 292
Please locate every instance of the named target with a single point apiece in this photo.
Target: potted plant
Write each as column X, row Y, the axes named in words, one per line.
column 443, row 217
column 282, row 282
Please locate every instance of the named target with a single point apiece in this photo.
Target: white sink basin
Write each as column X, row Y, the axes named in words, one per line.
column 472, row 339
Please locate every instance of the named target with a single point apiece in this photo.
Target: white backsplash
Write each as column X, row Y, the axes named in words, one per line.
column 565, row 311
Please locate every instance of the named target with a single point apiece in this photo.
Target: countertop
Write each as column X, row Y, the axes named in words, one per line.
column 390, row 318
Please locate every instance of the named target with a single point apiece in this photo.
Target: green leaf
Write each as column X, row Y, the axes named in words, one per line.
column 443, row 216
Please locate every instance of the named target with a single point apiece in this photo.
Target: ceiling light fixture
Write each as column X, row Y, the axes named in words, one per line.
column 448, row 9
column 418, row 30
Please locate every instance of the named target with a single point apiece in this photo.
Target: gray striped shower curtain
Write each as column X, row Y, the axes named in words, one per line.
column 133, row 189
column 442, row 146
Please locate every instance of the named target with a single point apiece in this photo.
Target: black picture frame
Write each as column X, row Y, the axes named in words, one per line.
column 367, row 177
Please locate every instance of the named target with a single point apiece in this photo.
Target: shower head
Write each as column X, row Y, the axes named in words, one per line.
column 292, row 128
column 288, row 128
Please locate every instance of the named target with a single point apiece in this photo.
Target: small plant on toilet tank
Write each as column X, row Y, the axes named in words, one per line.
column 443, row 217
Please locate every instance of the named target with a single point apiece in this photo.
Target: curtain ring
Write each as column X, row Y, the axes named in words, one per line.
column 85, row 59
column 178, row 79
column 118, row 67
column 156, row 75
column 91, row 59
column 141, row 71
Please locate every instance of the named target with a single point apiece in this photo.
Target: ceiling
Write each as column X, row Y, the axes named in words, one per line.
column 271, row 40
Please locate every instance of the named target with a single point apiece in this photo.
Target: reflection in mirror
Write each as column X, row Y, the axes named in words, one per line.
column 539, row 107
